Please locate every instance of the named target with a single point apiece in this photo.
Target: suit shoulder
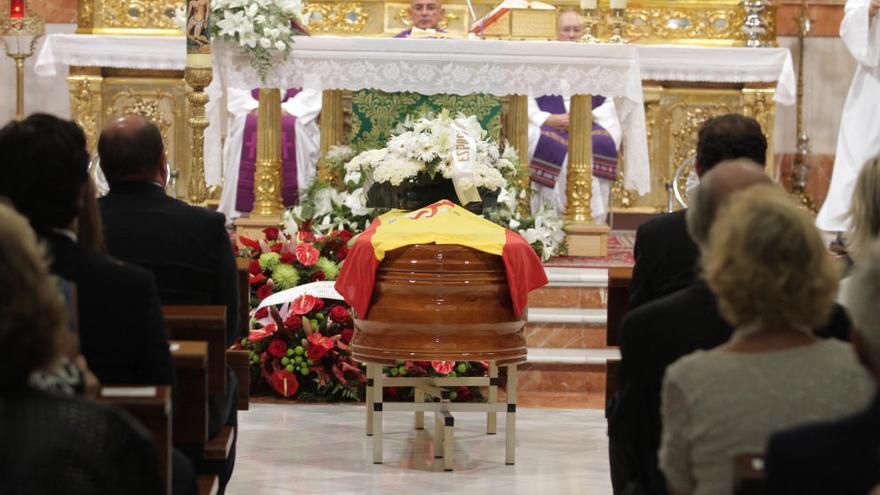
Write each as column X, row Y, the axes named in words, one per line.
column 663, row 223
column 198, row 213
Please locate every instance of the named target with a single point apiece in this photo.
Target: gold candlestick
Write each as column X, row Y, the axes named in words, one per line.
column 20, row 35
column 616, row 20
column 198, row 78
column 590, row 22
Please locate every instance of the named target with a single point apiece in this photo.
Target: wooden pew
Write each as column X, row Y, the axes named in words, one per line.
column 748, row 474
column 152, row 407
column 191, row 362
column 208, row 323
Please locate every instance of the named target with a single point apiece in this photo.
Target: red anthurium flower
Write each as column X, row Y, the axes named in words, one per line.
column 306, row 254
column 284, row 382
column 254, row 267
column 257, row 279
column 304, row 304
column 271, row 233
column 288, row 258
column 305, row 236
column 277, row 348
column 442, row 367
column 264, row 292
column 261, row 313
column 249, row 243
column 259, row 334
column 318, row 346
column 276, row 248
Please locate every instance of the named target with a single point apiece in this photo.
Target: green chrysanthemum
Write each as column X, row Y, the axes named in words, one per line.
column 285, row 276
column 330, row 269
column 268, row 261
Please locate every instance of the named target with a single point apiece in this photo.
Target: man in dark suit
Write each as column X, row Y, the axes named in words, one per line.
column 187, row 248
column 44, row 164
column 665, row 255
column 659, row 332
column 843, row 456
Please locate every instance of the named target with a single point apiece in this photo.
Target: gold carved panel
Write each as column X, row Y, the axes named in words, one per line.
column 152, row 17
column 348, row 17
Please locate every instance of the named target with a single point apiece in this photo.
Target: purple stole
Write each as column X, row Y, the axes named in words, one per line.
column 244, row 198
column 408, row 31
column 552, row 147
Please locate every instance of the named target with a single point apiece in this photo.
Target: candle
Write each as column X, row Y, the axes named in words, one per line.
column 618, row 4
column 16, row 9
column 588, row 4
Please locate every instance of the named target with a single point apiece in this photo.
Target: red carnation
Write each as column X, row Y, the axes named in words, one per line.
column 288, row 258
column 277, row 348
column 345, row 235
column 342, row 253
column 318, row 276
column 293, row 323
column 306, row 254
column 442, row 367
column 271, row 233
column 254, row 267
column 257, row 279
column 304, row 304
column 264, row 292
column 261, row 313
column 339, row 314
column 284, row 382
column 318, row 346
column 346, row 334
column 259, row 334
column 319, row 304
column 464, row 394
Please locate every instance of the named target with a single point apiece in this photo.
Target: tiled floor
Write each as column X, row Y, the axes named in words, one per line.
column 322, row 449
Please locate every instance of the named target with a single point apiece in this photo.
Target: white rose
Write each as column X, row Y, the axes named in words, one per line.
column 280, row 46
column 265, row 43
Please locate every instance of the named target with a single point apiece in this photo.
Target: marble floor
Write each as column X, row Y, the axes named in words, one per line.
column 322, row 449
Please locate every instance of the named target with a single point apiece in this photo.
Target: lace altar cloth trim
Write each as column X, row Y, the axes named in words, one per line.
column 721, row 64
column 119, row 52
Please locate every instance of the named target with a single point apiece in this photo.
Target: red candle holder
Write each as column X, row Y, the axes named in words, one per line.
column 16, row 9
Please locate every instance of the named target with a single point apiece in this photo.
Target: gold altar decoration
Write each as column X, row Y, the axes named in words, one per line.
column 145, row 17
column 20, row 33
column 523, row 24
column 198, row 78
column 348, row 17
column 267, row 177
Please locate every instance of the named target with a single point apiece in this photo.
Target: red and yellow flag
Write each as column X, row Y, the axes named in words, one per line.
column 440, row 223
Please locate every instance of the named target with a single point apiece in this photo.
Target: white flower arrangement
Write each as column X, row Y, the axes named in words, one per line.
column 261, row 28
column 426, row 146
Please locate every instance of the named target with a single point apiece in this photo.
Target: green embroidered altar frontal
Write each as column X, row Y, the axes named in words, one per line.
column 376, row 114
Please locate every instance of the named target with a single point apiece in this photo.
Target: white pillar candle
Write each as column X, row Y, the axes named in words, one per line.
column 618, row 4
column 588, row 4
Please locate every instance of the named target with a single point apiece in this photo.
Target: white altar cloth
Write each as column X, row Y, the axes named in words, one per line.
column 120, row 52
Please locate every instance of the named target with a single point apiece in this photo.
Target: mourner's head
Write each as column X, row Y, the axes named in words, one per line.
column 44, row 164
column 570, row 26
column 131, row 150
column 426, row 14
column 716, row 187
column 728, row 137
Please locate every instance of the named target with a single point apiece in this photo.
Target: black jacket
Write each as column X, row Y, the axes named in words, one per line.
column 186, row 247
column 122, row 333
column 666, row 259
column 840, row 457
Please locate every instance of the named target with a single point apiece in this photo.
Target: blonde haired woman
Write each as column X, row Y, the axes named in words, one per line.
column 769, row 270
column 864, row 211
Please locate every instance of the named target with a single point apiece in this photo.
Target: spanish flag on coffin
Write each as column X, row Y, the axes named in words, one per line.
column 441, row 223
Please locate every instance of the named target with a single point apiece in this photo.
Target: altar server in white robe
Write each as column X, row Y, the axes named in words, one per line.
column 859, row 137
column 300, row 110
column 548, row 140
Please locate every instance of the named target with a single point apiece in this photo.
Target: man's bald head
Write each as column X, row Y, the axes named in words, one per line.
column 426, row 14
column 716, row 187
column 131, row 150
column 570, row 26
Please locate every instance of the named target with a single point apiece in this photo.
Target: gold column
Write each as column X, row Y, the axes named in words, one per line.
column 198, row 79
column 332, row 121
column 585, row 238
column 517, row 131
column 267, row 177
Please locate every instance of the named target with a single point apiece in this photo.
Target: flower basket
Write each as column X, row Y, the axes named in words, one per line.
column 422, row 191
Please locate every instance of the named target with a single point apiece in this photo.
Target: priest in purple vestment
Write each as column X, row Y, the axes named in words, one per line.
column 548, row 140
column 424, row 17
